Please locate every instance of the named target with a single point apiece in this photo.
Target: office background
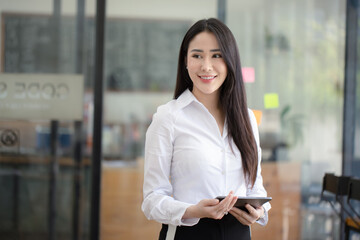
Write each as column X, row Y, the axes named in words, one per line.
column 294, row 60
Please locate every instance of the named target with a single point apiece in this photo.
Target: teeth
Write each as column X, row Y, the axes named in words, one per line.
column 207, row 78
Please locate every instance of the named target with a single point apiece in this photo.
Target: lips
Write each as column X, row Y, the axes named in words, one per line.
column 207, row 78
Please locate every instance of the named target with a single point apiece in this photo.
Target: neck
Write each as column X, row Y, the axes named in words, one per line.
column 210, row 101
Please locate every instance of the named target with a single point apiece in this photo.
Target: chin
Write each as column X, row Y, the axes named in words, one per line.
column 209, row 91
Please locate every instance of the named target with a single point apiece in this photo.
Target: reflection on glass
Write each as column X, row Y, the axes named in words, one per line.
column 297, row 52
column 357, row 121
column 43, row 184
column 294, row 49
column 141, row 51
column 140, row 75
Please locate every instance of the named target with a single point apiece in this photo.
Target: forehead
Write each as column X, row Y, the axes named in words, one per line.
column 204, row 41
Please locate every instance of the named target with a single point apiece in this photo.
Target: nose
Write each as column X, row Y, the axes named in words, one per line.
column 207, row 65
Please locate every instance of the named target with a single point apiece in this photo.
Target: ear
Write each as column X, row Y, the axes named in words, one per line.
column 185, row 62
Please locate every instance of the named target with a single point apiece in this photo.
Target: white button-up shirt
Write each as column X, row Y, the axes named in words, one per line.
column 187, row 160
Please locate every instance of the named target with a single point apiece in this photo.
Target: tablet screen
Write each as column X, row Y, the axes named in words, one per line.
column 253, row 201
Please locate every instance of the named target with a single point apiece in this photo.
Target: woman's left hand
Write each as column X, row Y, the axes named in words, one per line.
column 247, row 218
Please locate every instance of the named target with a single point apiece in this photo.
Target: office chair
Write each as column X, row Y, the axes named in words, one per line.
column 353, row 221
column 338, row 186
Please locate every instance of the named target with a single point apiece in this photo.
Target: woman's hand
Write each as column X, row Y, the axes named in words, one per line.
column 247, row 218
column 211, row 208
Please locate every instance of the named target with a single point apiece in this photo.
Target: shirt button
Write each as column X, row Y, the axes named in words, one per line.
column 222, row 172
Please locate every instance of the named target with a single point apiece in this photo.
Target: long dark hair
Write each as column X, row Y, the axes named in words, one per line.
column 232, row 92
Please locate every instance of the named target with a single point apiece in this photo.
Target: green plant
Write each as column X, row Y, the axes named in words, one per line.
column 291, row 126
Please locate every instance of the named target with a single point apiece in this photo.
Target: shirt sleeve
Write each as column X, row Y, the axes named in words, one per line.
column 158, row 203
column 258, row 189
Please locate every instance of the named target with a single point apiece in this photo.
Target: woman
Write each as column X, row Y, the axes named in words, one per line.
column 204, row 144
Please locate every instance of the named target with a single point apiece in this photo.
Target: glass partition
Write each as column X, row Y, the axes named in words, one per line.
column 44, row 163
column 293, row 52
column 141, row 51
column 292, row 55
column 356, row 162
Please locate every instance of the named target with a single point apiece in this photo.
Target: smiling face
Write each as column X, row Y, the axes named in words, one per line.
column 206, row 67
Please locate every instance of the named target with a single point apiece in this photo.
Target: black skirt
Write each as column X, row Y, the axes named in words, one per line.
column 227, row 228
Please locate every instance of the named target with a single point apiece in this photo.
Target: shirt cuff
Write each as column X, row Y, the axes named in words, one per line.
column 189, row 221
column 264, row 220
column 177, row 217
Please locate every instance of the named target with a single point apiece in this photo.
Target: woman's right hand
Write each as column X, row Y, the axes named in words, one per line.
column 211, row 208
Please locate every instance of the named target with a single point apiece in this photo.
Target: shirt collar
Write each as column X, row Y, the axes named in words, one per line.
column 186, row 98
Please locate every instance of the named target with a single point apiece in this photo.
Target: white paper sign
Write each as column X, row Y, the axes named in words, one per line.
column 41, row 96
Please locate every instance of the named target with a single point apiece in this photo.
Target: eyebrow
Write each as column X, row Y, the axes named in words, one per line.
column 199, row 50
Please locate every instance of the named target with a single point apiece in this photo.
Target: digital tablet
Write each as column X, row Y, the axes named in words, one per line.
column 253, row 201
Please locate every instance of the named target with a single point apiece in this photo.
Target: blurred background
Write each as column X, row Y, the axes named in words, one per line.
column 293, row 59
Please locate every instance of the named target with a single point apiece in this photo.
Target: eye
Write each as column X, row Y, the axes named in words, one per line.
column 217, row 55
column 196, row 56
